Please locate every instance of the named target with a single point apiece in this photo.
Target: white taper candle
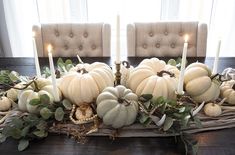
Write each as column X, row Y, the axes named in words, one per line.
column 118, row 40
column 53, row 76
column 182, row 69
column 37, row 66
column 216, row 61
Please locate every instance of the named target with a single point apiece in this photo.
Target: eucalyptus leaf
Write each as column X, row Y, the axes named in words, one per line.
column 16, row 122
column 40, row 133
column 25, row 131
column 23, row 144
column 168, row 123
column 182, row 109
column 69, row 66
column 171, row 62
column 45, row 99
column 68, row 61
column 143, row 118
column 197, row 122
column 45, row 113
column 59, row 114
column 2, row 138
column 155, row 119
column 67, row 104
column 14, row 76
column 60, row 60
column 42, row 125
column 145, row 97
column 35, row 102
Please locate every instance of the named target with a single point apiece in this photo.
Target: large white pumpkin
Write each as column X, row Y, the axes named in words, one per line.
column 198, row 83
column 44, row 87
column 86, row 81
column 147, row 78
column 117, row 106
column 227, row 90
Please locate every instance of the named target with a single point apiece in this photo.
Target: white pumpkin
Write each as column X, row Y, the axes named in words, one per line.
column 44, row 87
column 212, row 110
column 198, row 83
column 147, row 78
column 117, row 106
column 227, row 90
column 125, row 70
column 13, row 94
column 86, row 81
column 5, row 103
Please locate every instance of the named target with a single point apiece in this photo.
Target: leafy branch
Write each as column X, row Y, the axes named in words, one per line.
column 179, row 116
column 26, row 126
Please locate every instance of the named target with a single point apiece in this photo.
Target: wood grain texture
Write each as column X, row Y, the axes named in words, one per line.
column 220, row 142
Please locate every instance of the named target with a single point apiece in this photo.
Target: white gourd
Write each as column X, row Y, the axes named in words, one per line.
column 198, row 83
column 86, row 81
column 44, row 87
column 117, row 106
column 227, row 90
column 149, row 77
column 5, row 103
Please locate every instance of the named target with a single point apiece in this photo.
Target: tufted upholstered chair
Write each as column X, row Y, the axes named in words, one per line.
column 89, row 40
column 166, row 39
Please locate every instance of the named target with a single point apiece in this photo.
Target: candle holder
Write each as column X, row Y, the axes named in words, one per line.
column 118, row 74
column 179, row 96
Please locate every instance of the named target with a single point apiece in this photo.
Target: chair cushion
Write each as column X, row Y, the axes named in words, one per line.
column 165, row 38
column 71, row 39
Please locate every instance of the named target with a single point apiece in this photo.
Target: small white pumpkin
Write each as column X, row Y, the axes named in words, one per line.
column 150, row 78
column 227, row 90
column 43, row 87
column 117, row 106
column 198, row 83
column 212, row 110
column 86, row 81
column 5, row 103
column 125, row 70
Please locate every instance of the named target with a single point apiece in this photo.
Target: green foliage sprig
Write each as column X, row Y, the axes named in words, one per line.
column 26, row 126
column 62, row 67
column 178, row 116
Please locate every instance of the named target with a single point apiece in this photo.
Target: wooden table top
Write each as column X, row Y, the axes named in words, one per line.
column 219, row 142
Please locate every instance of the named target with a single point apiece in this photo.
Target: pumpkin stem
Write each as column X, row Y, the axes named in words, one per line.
column 57, row 73
column 166, row 72
column 126, row 64
column 220, row 77
column 7, row 86
column 82, row 71
column 233, row 87
column 122, row 101
column 36, row 86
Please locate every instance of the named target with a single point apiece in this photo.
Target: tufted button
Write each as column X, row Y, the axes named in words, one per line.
column 150, row 34
column 71, row 35
column 57, row 33
column 93, row 47
column 144, row 46
column 85, row 35
column 66, row 47
column 157, row 45
column 166, row 33
column 80, row 47
column 173, row 45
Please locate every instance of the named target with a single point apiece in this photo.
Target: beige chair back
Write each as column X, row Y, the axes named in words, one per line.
column 67, row 40
column 166, row 39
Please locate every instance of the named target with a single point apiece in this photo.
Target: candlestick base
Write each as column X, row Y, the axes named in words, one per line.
column 179, row 95
column 117, row 74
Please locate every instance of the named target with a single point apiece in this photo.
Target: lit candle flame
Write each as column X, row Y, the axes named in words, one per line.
column 33, row 34
column 186, row 38
column 49, row 48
